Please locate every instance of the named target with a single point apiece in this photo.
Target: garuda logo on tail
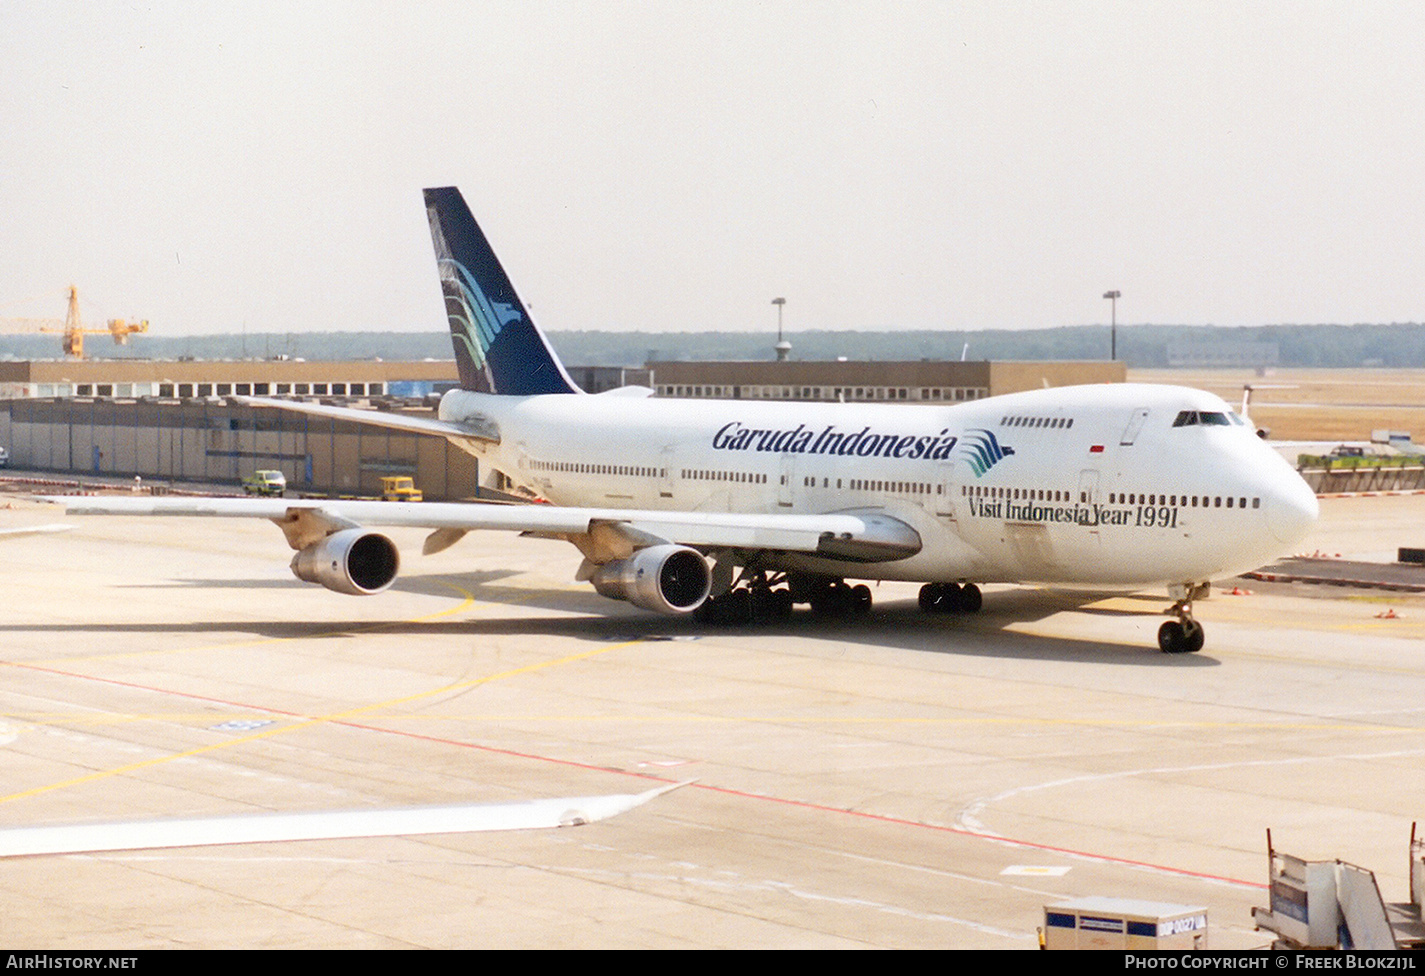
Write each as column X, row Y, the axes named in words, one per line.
column 498, row 348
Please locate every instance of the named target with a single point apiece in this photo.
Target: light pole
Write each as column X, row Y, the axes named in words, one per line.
column 783, row 347
column 1113, row 296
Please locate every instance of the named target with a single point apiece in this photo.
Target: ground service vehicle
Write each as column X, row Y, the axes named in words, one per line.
column 400, row 488
column 265, row 483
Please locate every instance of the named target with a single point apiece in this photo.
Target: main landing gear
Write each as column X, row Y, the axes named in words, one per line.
column 761, row 597
column 950, row 598
column 754, row 601
column 835, row 598
column 1183, row 635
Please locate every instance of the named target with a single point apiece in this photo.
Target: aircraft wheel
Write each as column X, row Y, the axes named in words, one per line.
column 832, row 599
column 931, row 596
column 954, row 596
column 1171, row 639
column 1180, row 637
column 824, row 601
column 802, row 587
column 769, row 604
column 860, row 599
column 739, row 607
column 971, row 599
column 733, row 608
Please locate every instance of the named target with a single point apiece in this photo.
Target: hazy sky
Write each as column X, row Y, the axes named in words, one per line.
column 676, row 165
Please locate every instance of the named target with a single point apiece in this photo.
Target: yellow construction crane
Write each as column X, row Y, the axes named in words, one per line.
column 72, row 328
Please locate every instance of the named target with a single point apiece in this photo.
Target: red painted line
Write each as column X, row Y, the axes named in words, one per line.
column 724, row 790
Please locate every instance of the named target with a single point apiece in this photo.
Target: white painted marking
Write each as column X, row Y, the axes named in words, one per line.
column 327, row 825
column 968, row 817
column 243, row 725
column 1037, row 870
column 794, row 891
column 34, row 530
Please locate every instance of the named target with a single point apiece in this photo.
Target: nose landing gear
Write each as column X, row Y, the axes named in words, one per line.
column 1183, row 635
column 1180, row 636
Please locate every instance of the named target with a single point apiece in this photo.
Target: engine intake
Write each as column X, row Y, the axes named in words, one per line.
column 668, row 579
column 352, row 561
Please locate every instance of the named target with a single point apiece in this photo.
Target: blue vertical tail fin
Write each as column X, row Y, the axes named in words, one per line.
column 498, row 348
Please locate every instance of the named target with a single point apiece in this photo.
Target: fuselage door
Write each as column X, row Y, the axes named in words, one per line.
column 1088, row 486
column 667, row 461
column 1135, row 424
column 1088, row 498
column 944, row 490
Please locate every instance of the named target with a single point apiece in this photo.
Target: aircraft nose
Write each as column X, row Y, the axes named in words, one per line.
column 1291, row 510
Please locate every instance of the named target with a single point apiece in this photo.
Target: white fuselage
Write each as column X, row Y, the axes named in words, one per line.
column 1085, row 486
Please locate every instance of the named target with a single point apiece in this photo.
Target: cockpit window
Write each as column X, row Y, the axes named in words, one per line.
column 1202, row 418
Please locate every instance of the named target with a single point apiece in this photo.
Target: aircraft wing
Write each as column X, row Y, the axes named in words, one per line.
column 478, row 430
column 867, row 536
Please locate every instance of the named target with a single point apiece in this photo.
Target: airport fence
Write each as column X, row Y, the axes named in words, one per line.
column 1328, row 475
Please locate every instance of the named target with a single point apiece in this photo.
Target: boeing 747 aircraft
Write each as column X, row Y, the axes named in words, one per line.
column 737, row 509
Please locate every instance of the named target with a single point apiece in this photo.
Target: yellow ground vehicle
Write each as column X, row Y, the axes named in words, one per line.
column 399, row 489
column 265, row 483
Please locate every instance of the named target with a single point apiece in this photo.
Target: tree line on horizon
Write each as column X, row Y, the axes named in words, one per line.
column 1140, row 346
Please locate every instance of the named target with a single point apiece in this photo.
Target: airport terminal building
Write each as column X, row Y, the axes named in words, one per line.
column 175, row 421
column 184, row 378
column 914, row 381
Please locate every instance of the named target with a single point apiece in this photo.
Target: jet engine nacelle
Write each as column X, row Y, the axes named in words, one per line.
column 352, row 561
column 668, row 579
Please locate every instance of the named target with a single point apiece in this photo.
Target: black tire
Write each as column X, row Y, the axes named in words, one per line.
column 832, row 599
column 769, row 604
column 739, row 606
column 761, row 603
column 1192, row 637
column 949, row 598
column 860, row 599
column 931, row 596
column 1171, row 639
column 971, row 599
